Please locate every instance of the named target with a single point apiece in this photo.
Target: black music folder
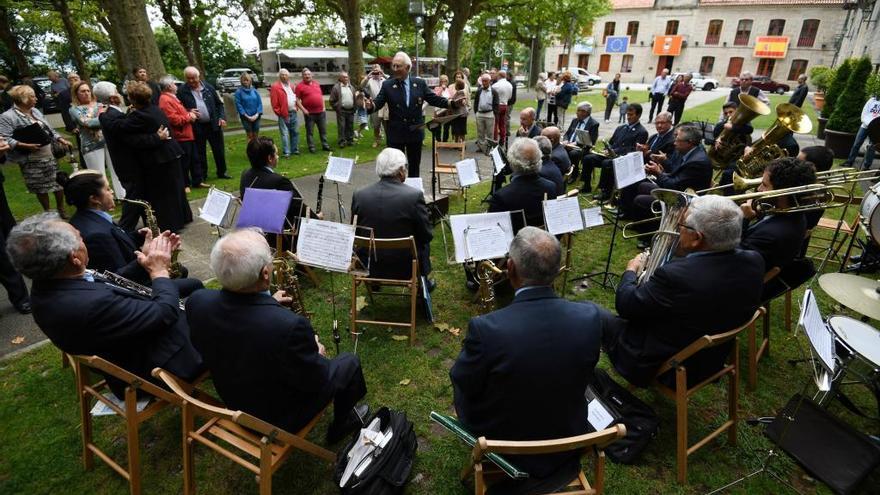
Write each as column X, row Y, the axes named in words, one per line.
column 32, row 134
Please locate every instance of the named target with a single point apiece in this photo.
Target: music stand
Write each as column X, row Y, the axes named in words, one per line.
column 431, row 125
column 341, row 173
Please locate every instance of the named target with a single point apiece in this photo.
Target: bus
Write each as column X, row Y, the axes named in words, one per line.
column 325, row 64
column 429, row 68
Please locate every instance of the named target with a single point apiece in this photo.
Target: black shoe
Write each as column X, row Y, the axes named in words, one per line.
column 224, row 176
column 24, row 308
column 856, row 259
column 311, row 150
column 432, row 284
column 326, row 148
column 296, row 152
column 354, row 420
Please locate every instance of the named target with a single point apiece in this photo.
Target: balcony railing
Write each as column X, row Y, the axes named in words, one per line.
column 742, row 39
column 713, row 39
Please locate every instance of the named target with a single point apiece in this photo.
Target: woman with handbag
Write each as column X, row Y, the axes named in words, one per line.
column 30, row 138
column 611, row 93
column 84, row 112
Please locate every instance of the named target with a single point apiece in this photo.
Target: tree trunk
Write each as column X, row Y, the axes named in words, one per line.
column 456, row 31
column 537, row 62
column 115, row 41
column 350, row 11
column 72, row 37
column 428, row 33
column 261, row 32
column 135, row 40
column 10, row 40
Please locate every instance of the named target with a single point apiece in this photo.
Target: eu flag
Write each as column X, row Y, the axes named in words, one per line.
column 616, row 44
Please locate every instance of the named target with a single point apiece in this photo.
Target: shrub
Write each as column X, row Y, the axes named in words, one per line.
column 847, row 116
column 835, row 87
column 821, row 76
column 872, row 87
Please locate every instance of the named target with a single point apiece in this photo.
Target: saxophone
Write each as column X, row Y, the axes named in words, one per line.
column 486, row 271
column 120, row 281
column 153, row 225
column 284, row 278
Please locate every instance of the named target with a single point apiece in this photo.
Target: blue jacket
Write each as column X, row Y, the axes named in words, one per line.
column 563, row 97
column 248, row 101
column 212, row 101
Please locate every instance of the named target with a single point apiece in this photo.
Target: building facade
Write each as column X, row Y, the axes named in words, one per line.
column 718, row 38
column 861, row 32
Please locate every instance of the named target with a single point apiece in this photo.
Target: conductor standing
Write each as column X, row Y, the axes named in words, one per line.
column 405, row 94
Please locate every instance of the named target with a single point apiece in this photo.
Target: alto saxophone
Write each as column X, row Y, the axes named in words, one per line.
column 120, row 281
column 153, row 225
column 486, row 271
column 284, row 278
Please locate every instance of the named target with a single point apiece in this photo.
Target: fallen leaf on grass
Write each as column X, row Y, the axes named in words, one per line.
column 361, row 302
column 441, row 326
column 405, row 382
column 455, row 331
column 400, row 337
column 18, row 340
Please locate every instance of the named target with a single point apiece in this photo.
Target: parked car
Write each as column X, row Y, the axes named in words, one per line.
column 698, row 80
column 230, row 79
column 584, row 78
column 50, row 101
column 764, row 83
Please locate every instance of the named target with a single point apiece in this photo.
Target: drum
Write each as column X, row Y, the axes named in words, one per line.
column 870, row 213
column 860, row 339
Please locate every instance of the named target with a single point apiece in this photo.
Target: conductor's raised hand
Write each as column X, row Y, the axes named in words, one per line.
column 158, row 257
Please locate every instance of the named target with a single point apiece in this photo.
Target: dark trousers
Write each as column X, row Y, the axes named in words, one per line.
column 590, row 161
column 576, row 155
column 552, row 117
column 189, row 163
column 321, row 120
column 413, row 156
column 344, row 127
column 206, row 134
column 656, row 102
column 640, row 200
column 345, row 388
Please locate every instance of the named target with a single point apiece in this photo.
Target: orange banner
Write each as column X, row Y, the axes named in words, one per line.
column 771, row 46
column 668, row 45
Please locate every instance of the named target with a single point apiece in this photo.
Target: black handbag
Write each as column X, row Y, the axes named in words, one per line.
column 640, row 420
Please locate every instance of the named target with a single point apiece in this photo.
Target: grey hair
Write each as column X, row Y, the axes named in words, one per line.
column 283, row 71
column 485, row 77
column 191, row 70
column 239, row 257
column 746, row 73
column 585, row 106
column 718, row 218
column 40, row 246
column 690, row 134
column 542, row 76
column 524, row 156
column 406, row 60
column 103, row 90
column 536, row 255
column 664, row 116
column 544, row 145
column 390, row 162
column 167, row 81
column 530, row 111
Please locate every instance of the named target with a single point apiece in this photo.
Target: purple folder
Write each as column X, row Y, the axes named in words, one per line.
column 264, row 208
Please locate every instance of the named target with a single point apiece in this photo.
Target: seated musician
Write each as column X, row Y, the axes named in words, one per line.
column 623, row 141
column 82, row 314
column 110, row 247
column 739, row 136
column 559, row 155
column 548, row 169
column 393, row 209
column 662, row 143
column 583, row 121
column 265, row 359
column 527, row 125
column 822, row 159
column 711, row 287
column 527, row 189
column 521, row 375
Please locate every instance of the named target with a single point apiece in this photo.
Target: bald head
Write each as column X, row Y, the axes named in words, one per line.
column 527, row 117
column 553, row 134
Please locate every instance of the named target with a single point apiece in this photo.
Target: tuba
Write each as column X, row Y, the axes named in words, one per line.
column 153, row 225
column 733, row 146
column 789, row 118
column 284, row 278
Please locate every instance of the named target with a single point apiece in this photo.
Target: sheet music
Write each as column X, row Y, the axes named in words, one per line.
column 325, row 244
column 598, row 416
column 458, row 224
column 629, row 169
column 484, row 243
column 101, row 409
column 216, row 207
column 497, row 161
column 817, row 331
column 467, row 172
column 593, row 217
column 339, row 169
column 582, row 138
column 563, row 215
column 415, row 182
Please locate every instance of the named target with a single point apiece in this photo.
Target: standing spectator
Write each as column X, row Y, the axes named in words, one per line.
column 5, row 99
column 460, row 76
column 361, row 117
column 379, row 120
column 181, row 121
column 564, row 94
column 623, row 106
column 249, row 105
column 84, row 114
column 310, row 100
column 505, row 92
column 551, row 86
column 141, row 75
column 211, row 119
column 485, row 104
column 800, row 93
column 870, row 111
column 611, row 93
column 65, row 99
column 443, row 89
column 38, row 166
column 540, row 93
column 11, row 280
column 459, row 125
column 342, row 97
column 678, row 95
column 283, row 99
column 512, row 101
column 58, row 84
column 659, row 90
column 38, row 91
column 745, row 86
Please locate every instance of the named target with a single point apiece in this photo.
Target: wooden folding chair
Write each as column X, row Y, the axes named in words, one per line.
column 238, row 436
column 88, row 389
column 410, row 286
column 444, row 168
column 591, row 443
column 755, row 350
column 680, row 393
column 833, row 235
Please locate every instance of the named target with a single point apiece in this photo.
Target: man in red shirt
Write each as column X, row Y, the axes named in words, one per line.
column 310, row 100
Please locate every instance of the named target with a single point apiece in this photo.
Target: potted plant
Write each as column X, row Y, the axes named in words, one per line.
column 844, row 122
column 820, row 76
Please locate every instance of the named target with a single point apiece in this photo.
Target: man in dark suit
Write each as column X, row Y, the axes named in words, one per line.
column 712, row 287
column 11, row 280
column 583, row 121
column 404, row 95
column 393, row 209
column 527, row 189
column 85, row 315
column 800, row 93
column 265, row 359
column 623, row 141
column 662, row 143
column 559, row 154
column 548, row 169
column 521, row 375
column 745, row 87
column 527, row 125
column 208, row 128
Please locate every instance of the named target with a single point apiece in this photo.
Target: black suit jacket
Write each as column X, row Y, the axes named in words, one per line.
column 110, row 247
column 262, row 356
column 212, row 101
column 124, row 148
column 522, row 376
column 735, row 92
column 394, row 209
column 560, row 157
column 777, row 238
column 663, row 144
column 525, row 192
column 401, row 117
column 694, row 173
column 799, row 95
column 626, row 136
column 686, row 298
column 551, row 172
column 147, row 121
column 592, row 126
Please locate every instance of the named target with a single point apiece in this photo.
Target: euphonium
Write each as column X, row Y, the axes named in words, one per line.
column 486, row 271
column 673, row 205
column 732, row 146
column 120, row 281
column 284, row 278
column 153, row 225
column 789, row 118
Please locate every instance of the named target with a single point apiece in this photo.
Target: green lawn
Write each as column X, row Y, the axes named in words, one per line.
column 710, row 111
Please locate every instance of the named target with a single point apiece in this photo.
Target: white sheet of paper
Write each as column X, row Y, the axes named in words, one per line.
column 593, row 217
column 467, row 172
column 598, row 416
column 216, row 207
column 325, row 244
column 339, row 169
column 629, row 169
column 817, row 331
column 415, row 182
column 485, row 243
column 563, row 215
column 101, row 409
column 458, row 224
column 497, row 161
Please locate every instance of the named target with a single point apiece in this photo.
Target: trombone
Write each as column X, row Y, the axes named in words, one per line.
column 835, row 177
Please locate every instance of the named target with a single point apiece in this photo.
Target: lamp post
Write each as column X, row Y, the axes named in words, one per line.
column 417, row 12
column 492, row 25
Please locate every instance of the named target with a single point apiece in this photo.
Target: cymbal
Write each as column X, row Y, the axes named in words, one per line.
column 856, row 293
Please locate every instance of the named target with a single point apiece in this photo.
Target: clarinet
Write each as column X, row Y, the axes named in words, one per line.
column 320, row 195
column 124, row 283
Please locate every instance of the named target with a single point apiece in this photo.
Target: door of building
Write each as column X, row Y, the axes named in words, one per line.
column 604, row 63
column 664, row 62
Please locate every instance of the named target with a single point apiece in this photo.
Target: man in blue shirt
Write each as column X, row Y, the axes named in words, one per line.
column 659, row 89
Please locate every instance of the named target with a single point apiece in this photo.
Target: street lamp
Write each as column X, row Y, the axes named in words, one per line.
column 492, row 25
column 417, row 12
